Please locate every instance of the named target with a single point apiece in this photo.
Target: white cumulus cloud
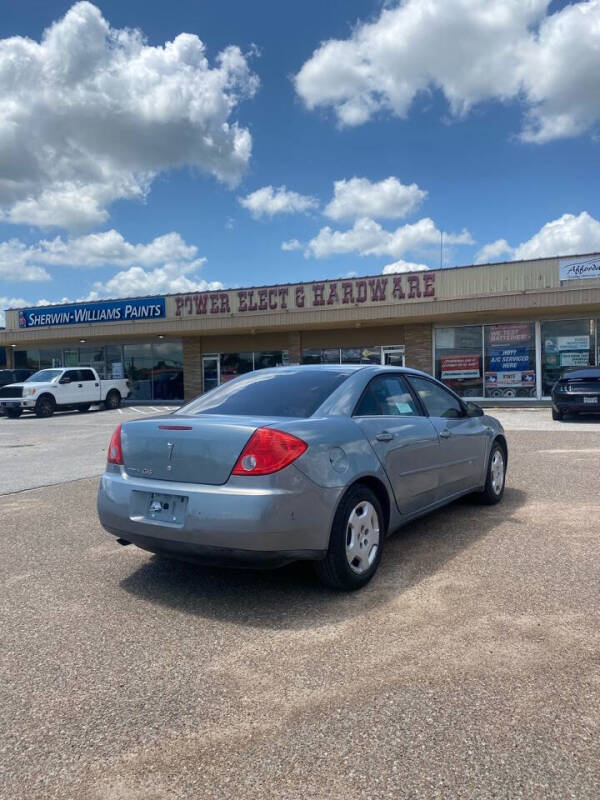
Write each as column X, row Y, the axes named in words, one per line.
column 472, row 51
column 404, row 266
column 291, row 244
column 91, row 114
column 567, row 235
column 359, row 197
column 368, row 238
column 168, row 279
column 269, row 200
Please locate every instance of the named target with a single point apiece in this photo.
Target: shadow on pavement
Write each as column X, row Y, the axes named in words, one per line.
column 291, row 597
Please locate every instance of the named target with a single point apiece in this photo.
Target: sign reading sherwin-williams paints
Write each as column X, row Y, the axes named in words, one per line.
column 572, row 270
column 403, row 287
column 87, row 313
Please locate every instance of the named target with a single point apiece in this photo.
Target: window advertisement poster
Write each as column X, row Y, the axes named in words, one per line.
column 509, row 333
column 460, row 367
column 574, row 359
column 556, row 344
column 509, row 367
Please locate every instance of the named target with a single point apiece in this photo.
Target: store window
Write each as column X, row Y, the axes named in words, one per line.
column 510, row 360
column 459, row 359
column 234, row 364
column 366, row 354
column 565, row 343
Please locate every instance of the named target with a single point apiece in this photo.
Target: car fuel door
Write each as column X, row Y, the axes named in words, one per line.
column 405, row 442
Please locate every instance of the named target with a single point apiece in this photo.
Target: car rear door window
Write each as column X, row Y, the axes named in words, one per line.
column 387, row 395
column 438, row 401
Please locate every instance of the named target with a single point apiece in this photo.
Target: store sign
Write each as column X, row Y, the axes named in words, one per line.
column 301, row 297
column 87, row 313
column 510, row 333
column 460, row 367
column 509, row 359
column 555, row 344
column 570, row 270
column 580, row 359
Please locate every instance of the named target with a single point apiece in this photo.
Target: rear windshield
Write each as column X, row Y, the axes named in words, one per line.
column 44, row 376
column 267, row 393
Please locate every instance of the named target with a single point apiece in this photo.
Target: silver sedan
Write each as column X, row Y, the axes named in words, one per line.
column 311, row 462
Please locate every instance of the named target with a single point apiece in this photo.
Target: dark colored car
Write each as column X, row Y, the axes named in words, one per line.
column 576, row 391
column 8, row 376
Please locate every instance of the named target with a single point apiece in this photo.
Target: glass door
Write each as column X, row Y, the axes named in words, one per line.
column 392, row 356
column 211, row 372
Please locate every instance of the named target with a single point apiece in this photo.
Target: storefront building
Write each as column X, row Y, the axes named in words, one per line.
column 494, row 332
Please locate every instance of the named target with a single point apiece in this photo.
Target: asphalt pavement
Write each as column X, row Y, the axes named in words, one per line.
column 468, row 668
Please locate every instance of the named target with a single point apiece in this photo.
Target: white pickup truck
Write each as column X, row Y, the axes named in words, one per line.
column 55, row 389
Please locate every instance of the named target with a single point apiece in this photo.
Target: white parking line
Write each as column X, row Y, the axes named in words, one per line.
column 119, row 410
column 133, row 408
column 154, row 408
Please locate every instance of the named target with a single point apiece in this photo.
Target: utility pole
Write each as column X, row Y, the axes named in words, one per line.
column 441, row 249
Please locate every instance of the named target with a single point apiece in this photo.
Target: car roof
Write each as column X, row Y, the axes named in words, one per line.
column 348, row 368
column 582, row 372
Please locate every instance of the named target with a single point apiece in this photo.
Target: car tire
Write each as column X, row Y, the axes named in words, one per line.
column 13, row 413
column 45, row 406
column 495, row 479
column 558, row 415
column 84, row 407
column 113, row 400
column 356, row 541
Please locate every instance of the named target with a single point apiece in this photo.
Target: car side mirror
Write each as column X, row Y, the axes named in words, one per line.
column 473, row 410
column 65, row 380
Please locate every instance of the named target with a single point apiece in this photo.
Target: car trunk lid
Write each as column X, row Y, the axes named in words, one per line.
column 189, row 449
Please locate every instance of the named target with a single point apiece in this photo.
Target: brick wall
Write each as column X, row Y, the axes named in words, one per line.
column 418, row 347
column 192, row 370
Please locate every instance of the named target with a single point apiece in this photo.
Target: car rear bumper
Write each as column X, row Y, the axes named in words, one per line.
column 576, row 403
column 262, row 521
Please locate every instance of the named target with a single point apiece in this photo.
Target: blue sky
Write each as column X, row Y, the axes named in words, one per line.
column 484, row 113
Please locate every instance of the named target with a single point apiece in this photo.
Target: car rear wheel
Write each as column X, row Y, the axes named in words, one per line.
column 13, row 413
column 495, row 479
column 45, row 406
column 558, row 415
column 356, row 541
column 113, row 400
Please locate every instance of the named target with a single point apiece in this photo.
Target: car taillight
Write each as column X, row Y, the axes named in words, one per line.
column 115, row 453
column 268, row 451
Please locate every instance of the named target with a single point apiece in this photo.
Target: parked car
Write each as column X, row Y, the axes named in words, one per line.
column 577, row 391
column 49, row 390
column 311, row 462
column 14, row 375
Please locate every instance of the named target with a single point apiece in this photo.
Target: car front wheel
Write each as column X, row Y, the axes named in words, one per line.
column 356, row 541
column 13, row 413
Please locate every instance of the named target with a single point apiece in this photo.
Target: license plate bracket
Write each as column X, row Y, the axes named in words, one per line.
column 159, row 508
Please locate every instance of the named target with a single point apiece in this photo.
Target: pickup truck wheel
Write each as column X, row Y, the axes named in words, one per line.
column 113, row 400
column 13, row 413
column 84, row 407
column 45, row 406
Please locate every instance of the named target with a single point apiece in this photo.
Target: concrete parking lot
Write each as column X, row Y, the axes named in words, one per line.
column 468, row 668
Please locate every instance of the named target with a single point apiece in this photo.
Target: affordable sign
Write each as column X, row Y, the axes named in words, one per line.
column 86, row 313
column 570, row 270
column 460, row 367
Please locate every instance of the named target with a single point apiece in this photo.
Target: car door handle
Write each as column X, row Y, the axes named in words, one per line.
column 445, row 434
column 384, row 436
